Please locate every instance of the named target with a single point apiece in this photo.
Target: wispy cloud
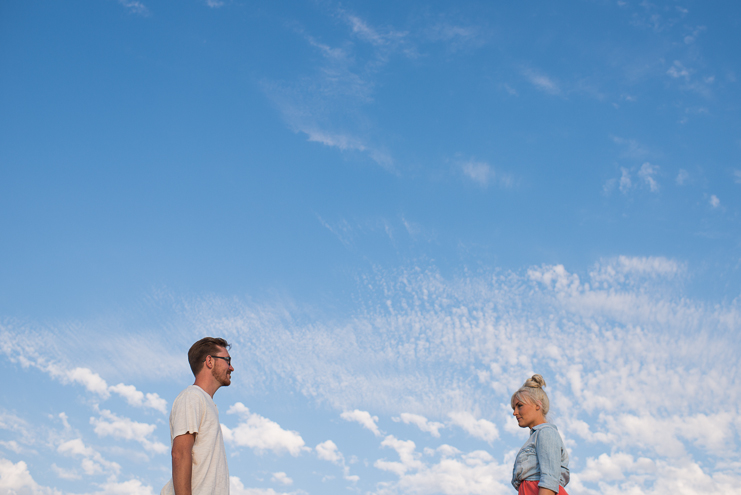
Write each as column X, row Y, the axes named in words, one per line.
column 484, row 174
column 677, row 70
column 541, row 81
column 326, row 105
column 455, row 35
column 635, row 269
column 648, row 172
column 646, row 175
column 631, row 148
column 365, row 32
column 135, row 7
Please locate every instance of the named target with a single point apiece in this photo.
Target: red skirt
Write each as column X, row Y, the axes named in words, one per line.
column 531, row 488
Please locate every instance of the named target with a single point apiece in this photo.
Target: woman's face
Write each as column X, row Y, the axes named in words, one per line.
column 528, row 414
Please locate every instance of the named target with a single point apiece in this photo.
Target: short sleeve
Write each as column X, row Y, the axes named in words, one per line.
column 548, row 449
column 187, row 412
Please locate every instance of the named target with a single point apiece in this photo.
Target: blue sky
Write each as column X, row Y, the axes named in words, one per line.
column 396, row 212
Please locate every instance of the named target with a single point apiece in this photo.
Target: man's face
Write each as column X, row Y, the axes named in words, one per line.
column 222, row 371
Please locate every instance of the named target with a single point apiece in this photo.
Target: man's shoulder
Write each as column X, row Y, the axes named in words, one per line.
column 192, row 392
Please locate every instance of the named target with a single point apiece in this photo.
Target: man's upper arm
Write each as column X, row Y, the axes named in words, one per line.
column 183, row 444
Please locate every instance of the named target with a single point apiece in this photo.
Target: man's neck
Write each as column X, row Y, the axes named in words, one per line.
column 208, row 384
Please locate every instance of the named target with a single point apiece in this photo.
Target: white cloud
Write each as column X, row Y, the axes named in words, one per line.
column 483, row 174
column 236, row 487
column 474, row 473
column 541, row 81
column 422, row 423
column 737, row 176
column 632, row 148
column 625, row 182
column 135, row 7
column 622, row 473
column 65, row 474
column 261, row 434
column 90, row 380
column 409, row 459
column 137, row 399
column 677, row 70
column 613, row 467
column 11, row 445
column 647, row 173
column 92, row 462
column 625, row 269
column 282, row 478
column 327, row 451
column 365, row 32
column 364, row 419
column 714, row 201
column 555, row 276
column 682, row 177
column 130, row 487
column 456, row 36
column 478, row 428
column 15, row 479
column 109, row 424
column 479, row 172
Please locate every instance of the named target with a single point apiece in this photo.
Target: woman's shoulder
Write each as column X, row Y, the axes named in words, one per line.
column 547, row 431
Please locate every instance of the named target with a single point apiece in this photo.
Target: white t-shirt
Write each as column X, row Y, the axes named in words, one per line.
column 194, row 411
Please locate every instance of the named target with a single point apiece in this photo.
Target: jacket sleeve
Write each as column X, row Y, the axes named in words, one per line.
column 548, row 449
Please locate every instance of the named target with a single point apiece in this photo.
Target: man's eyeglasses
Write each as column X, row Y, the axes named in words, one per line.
column 227, row 359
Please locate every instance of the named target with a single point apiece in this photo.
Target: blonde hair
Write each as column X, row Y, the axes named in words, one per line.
column 532, row 392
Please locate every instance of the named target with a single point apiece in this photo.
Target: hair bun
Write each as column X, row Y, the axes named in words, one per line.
column 536, row 381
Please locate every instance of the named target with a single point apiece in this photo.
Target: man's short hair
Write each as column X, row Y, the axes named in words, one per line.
column 204, row 347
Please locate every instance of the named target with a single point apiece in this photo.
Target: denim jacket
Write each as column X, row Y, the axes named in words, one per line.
column 544, row 458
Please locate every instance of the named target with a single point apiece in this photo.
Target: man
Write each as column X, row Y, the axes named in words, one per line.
column 198, row 457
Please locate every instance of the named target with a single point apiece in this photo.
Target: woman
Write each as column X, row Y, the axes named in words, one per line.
column 542, row 465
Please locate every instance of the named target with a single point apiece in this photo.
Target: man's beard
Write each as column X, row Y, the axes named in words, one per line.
column 223, row 379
